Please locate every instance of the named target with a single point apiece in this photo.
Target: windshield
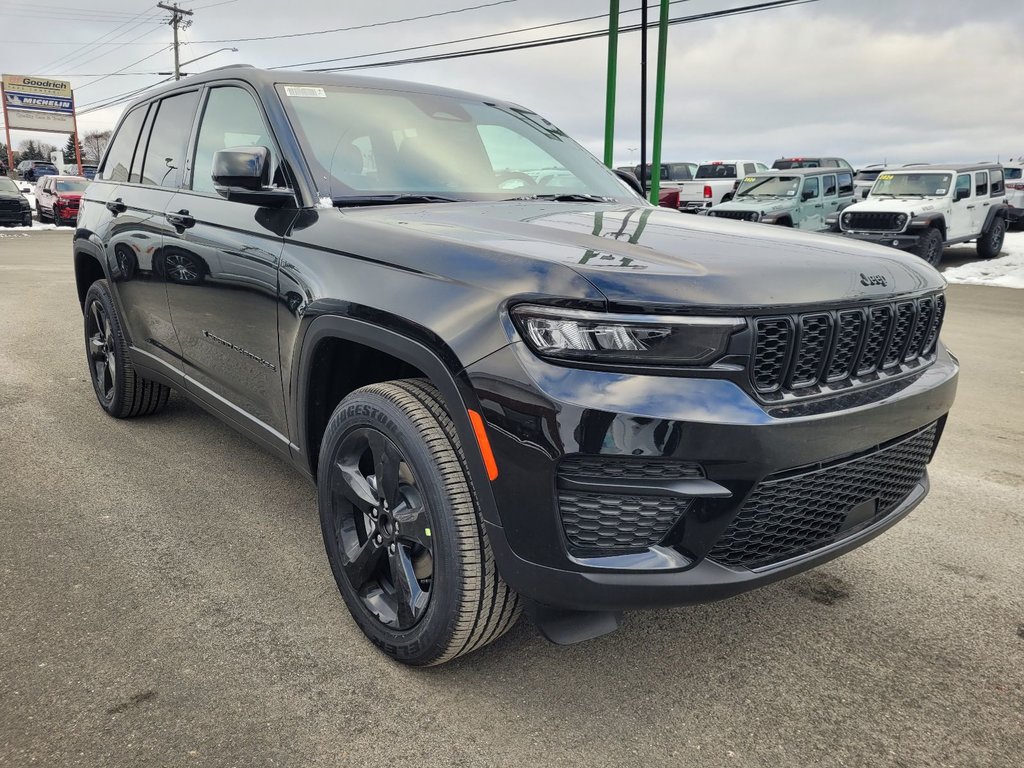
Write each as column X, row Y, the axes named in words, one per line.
column 785, row 165
column 71, row 186
column 6, row 185
column 1012, row 174
column 716, row 171
column 363, row 143
column 770, row 186
column 866, row 175
column 922, row 184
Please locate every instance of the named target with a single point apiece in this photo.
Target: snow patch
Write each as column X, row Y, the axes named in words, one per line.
column 1005, row 271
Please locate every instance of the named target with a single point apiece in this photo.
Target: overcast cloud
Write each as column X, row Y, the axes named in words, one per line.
column 869, row 80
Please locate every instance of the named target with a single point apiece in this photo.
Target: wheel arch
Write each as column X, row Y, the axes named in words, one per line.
column 88, row 269
column 340, row 354
column 996, row 211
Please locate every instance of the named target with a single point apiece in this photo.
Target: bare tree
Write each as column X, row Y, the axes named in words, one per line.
column 94, row 143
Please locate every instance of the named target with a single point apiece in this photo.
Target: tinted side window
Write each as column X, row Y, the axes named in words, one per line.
column 165, row 152
column 119, row 156
column 845, row 183
column 981, row 183
column 997, row 181
column 231, row 119
column 749, row 168
column 830, row 185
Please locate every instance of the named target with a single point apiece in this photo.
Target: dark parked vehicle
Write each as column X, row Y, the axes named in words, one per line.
column 572, row 402
column 15, row 210
column 57, row 198
column 33, row 170
column 89, row 171
column 788, row 163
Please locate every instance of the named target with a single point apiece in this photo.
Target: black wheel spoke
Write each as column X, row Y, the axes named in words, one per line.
column 409, row 597
column 386, row 461
column 362, row 564
column 412, row 522
column 351, row 483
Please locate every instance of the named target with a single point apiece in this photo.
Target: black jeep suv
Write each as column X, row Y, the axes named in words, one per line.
column 514, row 382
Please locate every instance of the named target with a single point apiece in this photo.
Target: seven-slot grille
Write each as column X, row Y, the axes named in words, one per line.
column 790, row 515
column 804, row 353
column 741, row 215
column 864, row 221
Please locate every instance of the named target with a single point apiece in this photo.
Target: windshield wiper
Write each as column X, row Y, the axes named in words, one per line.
column 571, row 197
column 407, row 199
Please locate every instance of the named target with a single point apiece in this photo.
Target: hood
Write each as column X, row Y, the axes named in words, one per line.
column 71, row 197
column 649, row 257
column 911, row 205
column 760, row 204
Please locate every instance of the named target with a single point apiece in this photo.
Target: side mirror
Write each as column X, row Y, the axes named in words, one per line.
column 631, row 181
column 242, row 174
column 807, row 195
column 961, row 194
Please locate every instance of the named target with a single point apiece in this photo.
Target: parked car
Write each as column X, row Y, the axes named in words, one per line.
column 33, row 170
column 715, row 183
column 672, row 174
column 574, row 402
column 865, row 178
column 57, row 198
column 926, row 208
column 802, row 198
column 788, row 163
column 15, row 210
column 1014, row 174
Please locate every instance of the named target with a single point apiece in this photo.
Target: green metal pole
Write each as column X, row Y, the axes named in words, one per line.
column 609, row 99
column 659, row 101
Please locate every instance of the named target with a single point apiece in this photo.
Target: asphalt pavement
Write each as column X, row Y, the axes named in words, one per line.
column 165, row 601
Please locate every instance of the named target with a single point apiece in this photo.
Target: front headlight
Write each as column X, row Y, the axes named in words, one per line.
column 901, row 220
column 753, row 216
column 712, row 213
column 617, row 338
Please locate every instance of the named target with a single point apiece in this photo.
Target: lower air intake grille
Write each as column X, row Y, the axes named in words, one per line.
column 795, row 514
column 607, row 521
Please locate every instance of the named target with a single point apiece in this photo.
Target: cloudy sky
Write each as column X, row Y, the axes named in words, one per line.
column 869, row 80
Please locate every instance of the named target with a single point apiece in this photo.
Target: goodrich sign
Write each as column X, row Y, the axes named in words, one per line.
column 38, row 104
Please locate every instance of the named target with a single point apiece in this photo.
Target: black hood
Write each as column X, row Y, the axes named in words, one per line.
column 654, row 256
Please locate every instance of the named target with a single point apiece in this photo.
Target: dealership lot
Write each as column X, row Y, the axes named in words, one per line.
column 165, row 600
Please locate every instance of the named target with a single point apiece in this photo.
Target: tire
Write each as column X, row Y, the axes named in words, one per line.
column 441, row 547
column 930, row 247
column 121, row 391
column 991, row 241
column 39, row 212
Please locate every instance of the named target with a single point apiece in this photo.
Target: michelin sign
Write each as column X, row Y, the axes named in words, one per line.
column 38, row 104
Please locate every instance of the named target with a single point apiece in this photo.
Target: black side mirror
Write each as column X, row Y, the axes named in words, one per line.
column 242, row 174
column 631, row 181
column 961, row 194
column 808, row 195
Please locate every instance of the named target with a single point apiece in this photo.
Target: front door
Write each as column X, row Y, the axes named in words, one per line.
column 961, row 213
column 810, row 209
column 221, row 264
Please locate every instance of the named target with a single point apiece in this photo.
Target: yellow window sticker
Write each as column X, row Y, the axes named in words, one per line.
column 886, row 176
column 749, row 179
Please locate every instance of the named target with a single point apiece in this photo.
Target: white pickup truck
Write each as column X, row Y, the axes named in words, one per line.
column 715, row 183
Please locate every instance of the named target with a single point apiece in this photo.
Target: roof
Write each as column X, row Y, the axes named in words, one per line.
column 950, row 167
column 800, row 171
column 266, row 78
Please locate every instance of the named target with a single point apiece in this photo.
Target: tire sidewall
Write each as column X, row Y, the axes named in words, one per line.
column 99, row 292
column 931, row 247
column 994, row 238
column 430, row 636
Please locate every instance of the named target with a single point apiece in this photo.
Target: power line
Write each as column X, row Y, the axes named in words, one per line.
column 112, row 36
column 119, row 71
column 359, row 26
column 567, row 38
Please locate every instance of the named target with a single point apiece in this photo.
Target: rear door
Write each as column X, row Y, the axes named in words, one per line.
column 982, row 202
column 829, row 195
column 222, row 263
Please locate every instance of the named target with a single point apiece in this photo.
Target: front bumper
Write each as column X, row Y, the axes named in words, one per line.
column 902, row 240
column 537, row 413
column 15, row 218
column 695, row 206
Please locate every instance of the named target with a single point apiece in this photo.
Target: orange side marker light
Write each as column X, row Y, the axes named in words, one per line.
column 484, row 443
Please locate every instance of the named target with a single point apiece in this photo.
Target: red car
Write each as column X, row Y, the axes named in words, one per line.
column 57, row 198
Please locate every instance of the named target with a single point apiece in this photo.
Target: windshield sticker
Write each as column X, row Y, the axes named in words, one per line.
column 886, row 177
column 790, row 192
column 305, row 92
column 749, row 179
column 941, row 191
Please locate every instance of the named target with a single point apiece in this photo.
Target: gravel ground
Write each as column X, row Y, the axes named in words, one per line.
column 165, row 601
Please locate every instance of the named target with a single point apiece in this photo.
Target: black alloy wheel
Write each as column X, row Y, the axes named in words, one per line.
column 991, row 241
column 402, row 528
column 381, row 528
column 99, row 334
column 930, row 247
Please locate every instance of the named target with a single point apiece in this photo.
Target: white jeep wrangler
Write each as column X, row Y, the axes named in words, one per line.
column 925, row 208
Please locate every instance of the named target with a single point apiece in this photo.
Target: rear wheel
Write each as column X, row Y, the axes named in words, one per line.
column 402, row 528
column 121, row 392
column 991, row 242
column 929, row 247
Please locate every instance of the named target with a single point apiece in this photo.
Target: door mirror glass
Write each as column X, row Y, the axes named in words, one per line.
column 961, row 194
column 242, row 167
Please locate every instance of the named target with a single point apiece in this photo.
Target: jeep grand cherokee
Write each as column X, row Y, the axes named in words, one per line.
column 508, row 395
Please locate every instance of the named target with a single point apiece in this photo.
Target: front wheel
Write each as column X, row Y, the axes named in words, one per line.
column 991, row 242
column 929, row 247
column 402, row 528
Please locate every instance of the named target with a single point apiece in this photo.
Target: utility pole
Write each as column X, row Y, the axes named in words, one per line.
column 177, row 17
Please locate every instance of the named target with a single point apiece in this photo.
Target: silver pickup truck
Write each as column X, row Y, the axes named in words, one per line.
column 714, row 183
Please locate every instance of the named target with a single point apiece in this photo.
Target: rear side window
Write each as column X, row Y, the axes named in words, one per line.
column 996, row 176
column 716, row 171
column 980, row 183
column 164, row 162
column 231, row 119
column 830, row 185
column 845, row 183
column 830, row 163
column 1013, row 174
column 749, row 168
column 119, row 157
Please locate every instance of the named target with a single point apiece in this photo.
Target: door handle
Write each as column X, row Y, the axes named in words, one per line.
column 818, row 205
column 181, row 219
column 969, row 207
column 116, row 206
